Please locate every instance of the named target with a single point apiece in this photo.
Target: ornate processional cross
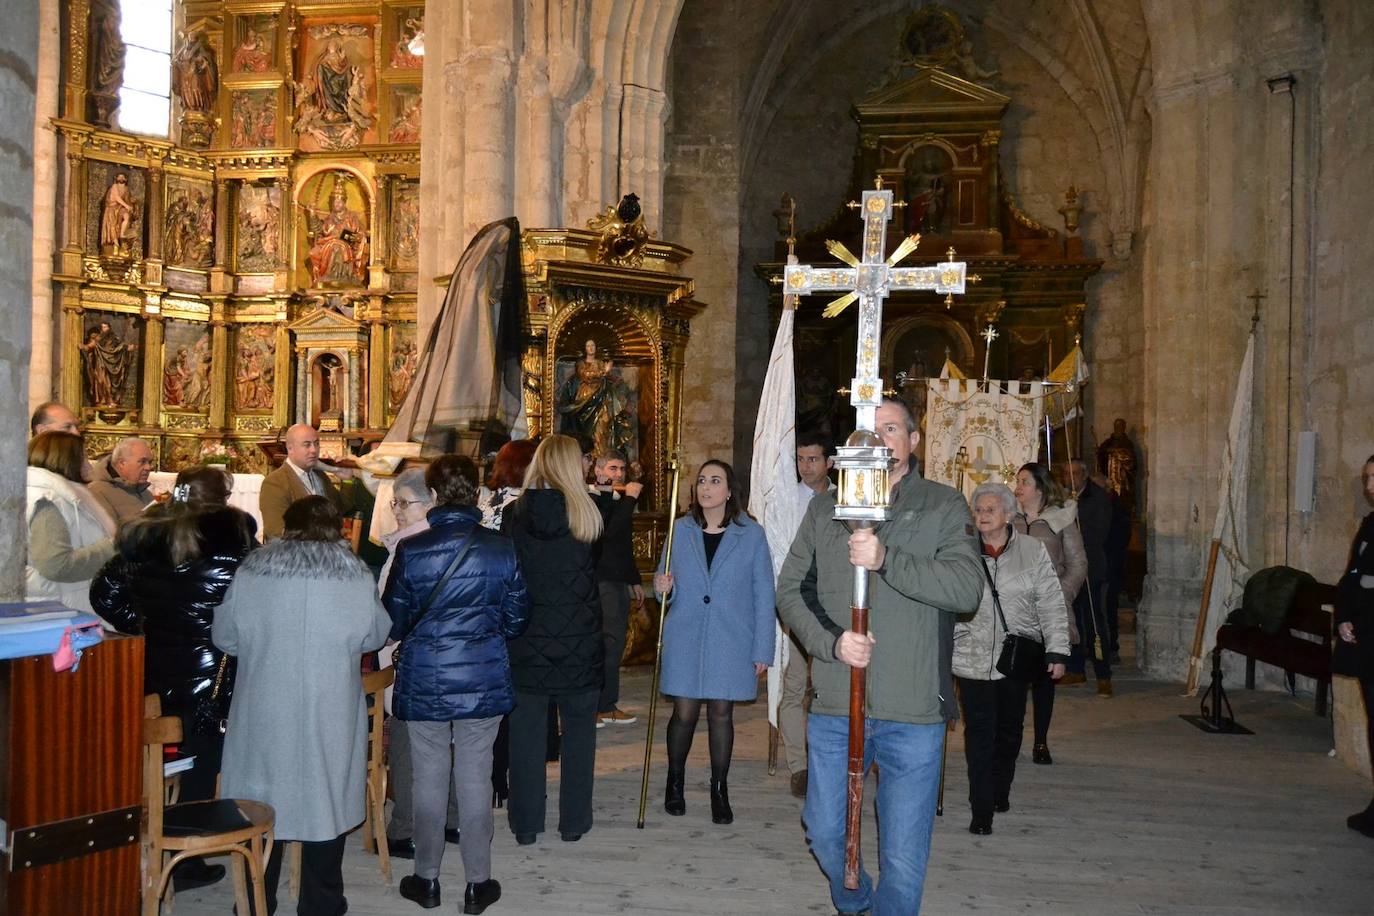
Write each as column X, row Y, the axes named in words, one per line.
column 869, row 280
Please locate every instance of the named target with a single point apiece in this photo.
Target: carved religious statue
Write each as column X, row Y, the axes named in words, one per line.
column 107, row 60
column 1116, row 457
column 117, row 217
column 332, row 102
column 195, row 78
column 595, row 401
column 338, row 242
column 108, row 361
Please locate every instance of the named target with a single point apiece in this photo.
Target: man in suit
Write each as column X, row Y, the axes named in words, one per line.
column 298, row 477
column 1095, row 522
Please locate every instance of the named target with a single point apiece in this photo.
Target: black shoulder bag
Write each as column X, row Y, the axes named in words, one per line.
column 433, row 593
column 1022, row 657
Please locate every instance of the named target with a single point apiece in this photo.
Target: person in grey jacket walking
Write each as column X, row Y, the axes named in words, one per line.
column 924, row 570
column 1020, row 578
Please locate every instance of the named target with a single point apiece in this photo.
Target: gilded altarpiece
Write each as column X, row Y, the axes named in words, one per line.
column 933, row 135
column 250, row 270
column 604, row 353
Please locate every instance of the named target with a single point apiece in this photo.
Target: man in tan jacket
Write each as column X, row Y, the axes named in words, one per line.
column 298, row 477
column 122, row 480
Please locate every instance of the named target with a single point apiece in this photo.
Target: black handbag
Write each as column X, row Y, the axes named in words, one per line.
column 209, row 716
column 429, row 599
column 1022, row 657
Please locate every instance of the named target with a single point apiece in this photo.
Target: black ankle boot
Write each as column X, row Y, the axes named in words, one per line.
column 673, row 802
column 720, row 803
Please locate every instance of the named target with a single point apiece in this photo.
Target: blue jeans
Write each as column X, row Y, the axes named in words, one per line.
column 908, row 758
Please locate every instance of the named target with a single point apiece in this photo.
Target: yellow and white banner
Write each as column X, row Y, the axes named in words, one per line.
column 998, row 431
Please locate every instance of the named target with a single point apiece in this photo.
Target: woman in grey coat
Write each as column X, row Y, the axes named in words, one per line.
column 1021, row 580
column 1045, row 516
column 299, row 615
column 718, row 637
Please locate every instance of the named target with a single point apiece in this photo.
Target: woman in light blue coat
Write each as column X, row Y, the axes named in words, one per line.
column 718, row 637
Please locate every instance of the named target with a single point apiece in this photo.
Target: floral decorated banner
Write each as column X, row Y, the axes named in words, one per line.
column 998, row 431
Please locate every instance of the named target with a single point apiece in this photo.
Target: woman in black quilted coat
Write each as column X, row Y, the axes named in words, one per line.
column 555, row 524
column 172, row 568
column 1355, row 629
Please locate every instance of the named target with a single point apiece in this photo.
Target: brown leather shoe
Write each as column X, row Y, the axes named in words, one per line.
column 1071, row 680
column 1104, row 688
column 799, row 784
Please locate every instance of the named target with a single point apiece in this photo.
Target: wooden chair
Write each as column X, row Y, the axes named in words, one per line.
column 237, row 826
column 375, row 684
column 152, row 708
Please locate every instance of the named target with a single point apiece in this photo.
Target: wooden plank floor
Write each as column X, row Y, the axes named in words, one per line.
column 1140, row 814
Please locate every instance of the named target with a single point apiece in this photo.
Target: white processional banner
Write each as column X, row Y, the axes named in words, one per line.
column 998, row 431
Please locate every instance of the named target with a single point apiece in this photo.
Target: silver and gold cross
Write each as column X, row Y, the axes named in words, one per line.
column 869, row 280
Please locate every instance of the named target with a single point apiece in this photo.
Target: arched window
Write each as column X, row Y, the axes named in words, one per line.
column 145, row 103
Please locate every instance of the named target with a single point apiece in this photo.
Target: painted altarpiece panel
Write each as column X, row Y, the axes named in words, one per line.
column 188, row 222
column 405, row 225
column 186, row 355
column 254, row 367
column 258, row 228
column 401, row 362
column 253, row 118
column 255, row 44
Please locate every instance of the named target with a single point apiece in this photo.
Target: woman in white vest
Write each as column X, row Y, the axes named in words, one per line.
column 71, row 534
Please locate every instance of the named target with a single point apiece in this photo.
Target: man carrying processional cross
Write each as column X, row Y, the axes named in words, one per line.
column 920, row 570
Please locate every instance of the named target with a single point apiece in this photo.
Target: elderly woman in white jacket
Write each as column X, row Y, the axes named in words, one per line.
column 71, row 533
column 1032, row 603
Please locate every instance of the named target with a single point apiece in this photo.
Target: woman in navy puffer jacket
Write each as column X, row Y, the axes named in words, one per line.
column 453, row 680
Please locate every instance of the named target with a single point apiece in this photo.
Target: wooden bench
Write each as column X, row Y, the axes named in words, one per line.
column 1285, row 649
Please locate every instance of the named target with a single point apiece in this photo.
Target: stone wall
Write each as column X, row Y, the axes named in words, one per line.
column 18, row 84
column 1340, row 348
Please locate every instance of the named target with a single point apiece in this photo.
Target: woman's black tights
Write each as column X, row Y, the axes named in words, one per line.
column 720, row 733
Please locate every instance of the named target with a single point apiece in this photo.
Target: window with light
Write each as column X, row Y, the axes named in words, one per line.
column 145, row 104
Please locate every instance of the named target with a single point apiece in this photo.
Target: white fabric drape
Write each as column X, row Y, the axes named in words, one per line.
column 1230, row 527
column 773, row 475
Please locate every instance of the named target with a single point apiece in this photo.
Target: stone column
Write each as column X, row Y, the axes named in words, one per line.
column 489, row 151
column 18, row 69
column 535, row 198
column 644, row 112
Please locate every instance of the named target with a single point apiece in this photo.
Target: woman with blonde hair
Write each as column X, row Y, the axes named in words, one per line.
column 556, row 524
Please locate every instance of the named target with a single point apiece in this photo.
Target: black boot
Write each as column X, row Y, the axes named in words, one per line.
column 720, row 802
column 419, row 890
column 673, row 802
